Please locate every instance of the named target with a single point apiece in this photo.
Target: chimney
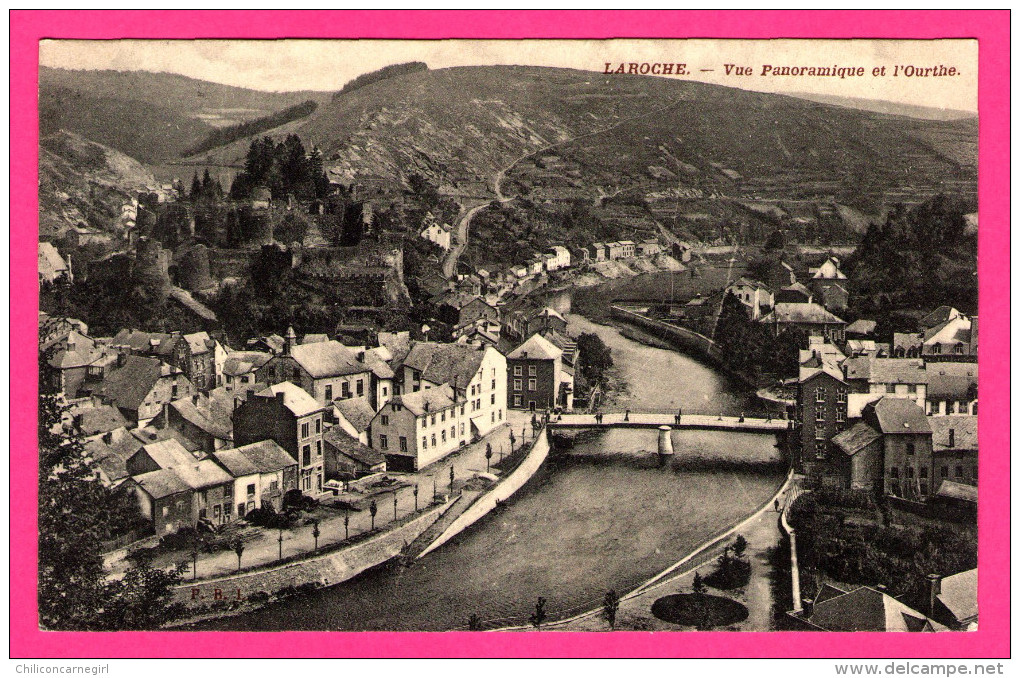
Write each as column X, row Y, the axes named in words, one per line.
column 166, row 415
column 934, row 591
column 121, row 359
column 289, row 341
column 108, row 437
column 194, row 399
column 952, row 438
column 77, row 421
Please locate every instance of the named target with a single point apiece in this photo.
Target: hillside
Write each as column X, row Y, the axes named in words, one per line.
column 150, row 116
column 84, row 182
column 678, row 138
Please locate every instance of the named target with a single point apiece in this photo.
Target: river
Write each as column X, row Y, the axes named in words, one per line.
column 601, row 513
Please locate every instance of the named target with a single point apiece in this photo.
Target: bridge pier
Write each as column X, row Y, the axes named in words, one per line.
column 665, row 441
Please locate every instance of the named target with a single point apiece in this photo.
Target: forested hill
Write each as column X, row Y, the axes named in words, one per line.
column 152, row 117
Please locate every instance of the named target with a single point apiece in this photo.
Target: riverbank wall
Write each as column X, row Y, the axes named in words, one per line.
column 324, row 570
column 497, row 494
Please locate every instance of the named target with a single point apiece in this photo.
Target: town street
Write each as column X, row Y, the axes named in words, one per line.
column 299, row 540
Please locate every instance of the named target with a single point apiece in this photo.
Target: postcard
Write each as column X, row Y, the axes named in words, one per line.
column 545, row 338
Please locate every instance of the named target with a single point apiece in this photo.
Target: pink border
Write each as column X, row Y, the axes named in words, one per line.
column 990, row 27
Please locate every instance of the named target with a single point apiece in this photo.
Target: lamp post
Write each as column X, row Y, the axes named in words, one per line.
column 451, row 479
column 373, row 508
column 394, row 504
column 194, row 563
column 279, row 541
column 238, row 549
column 488, row 455
column 347, row 524
column 415, row 498
column 316, row 533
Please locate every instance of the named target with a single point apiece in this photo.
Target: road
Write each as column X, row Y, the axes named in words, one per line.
column 464, row 224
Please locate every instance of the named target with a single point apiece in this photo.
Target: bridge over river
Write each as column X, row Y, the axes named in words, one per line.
column 656, row 419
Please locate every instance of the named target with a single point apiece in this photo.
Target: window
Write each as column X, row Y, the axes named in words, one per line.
column 453, row 432
column 911, row 388
column 383, row 443
column 251, row 489
column 910, row 471
column 306, row 455
column 203, row 496
column 296, row 375
column 518, row 370
column 500, row 412
column 894, row 472
column 841, row 396
column 462, row 410
column 433, row 440
column 819, row 395
column 424, row 442
column 360, row 386
column 385, row 420
column 944, row 472
column 492, row 399
column 345, row 390
column 493, row 384
column 910, row 449
column 819, row 414
column 329, row 392
column 462, row 429
column 517, row 401
column 442, row 416
column 385, row 390
column 318, row 448
column 923, row 488
column 304, row 430
column 924, row 471
column 517, row 384
column 532, row 384
column 442, row 435
column 318, row 425
column 890, row 388
column 959, row 472
column 274, row 486
column 840, row 416
column 403, row 443
column 166, row 511
column 532, row 370
column 492, row 417
column 433, row 420
column 173, row 391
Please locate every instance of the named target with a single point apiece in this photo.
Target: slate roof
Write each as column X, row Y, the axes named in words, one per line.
column 866, row 609
column 199, row 342
column 314, row 338
column 99, row 419
column 899, row 415
column 435, row 399
column 959, row 595
column 897, row 371
column 445, row 363
column 861, row 326
column 952, row 331
column 965, row 432
column 327, row 359
column 536, row 347
column 356, row 411
column 127, row 386
column 244, row 362
column 808, row 313
column 856, row 438
column 207, row 416
column 202, row 474
column 350, row 447
column 295, row 398
column 906, row 340
column 939, row 316
column 169, row 453
column 796, row 287
column 459, row 300
column 155, row 343
column 111, row 457
column 235, row 462
column 162, row 483
column 274, row 342
column 50, row 261
column 267, row 456
column 952, row 381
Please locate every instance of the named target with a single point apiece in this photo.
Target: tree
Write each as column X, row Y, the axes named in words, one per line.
column 698, row 585
column 610, row 604
column 196, row 188
column 373, row 508
column 347, row 524
column 594, row 358
column 316, row 533
column 238, row 547
column 539, row 615
column 739, row 546
column 474, row 622
column 775, row 241
column 488, row 455
column 76, row 513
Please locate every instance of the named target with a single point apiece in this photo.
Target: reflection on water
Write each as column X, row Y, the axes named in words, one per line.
column 601, row 514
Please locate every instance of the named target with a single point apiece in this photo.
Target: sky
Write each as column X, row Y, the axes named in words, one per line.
column 290, row 65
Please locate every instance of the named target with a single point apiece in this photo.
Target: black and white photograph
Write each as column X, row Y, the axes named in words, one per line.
column 508, row 335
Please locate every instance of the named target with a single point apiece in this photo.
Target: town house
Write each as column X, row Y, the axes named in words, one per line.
column 460, row 308
column 811, row 318
column 263, row 473
column 821, row 415
column 477, row 375
column 287, row 414
column 419, row 428
column 908, row 469
column 756, row 297
column 536, row 377
column 195, row 355
column 871, row 378
column 139, row 387
column 326, row 370
column 952, row 388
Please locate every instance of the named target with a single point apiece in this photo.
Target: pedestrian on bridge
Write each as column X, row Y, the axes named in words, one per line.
column 626, row 415
column 775, row 503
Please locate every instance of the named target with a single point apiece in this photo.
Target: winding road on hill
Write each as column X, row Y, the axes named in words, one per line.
column 464, row 224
